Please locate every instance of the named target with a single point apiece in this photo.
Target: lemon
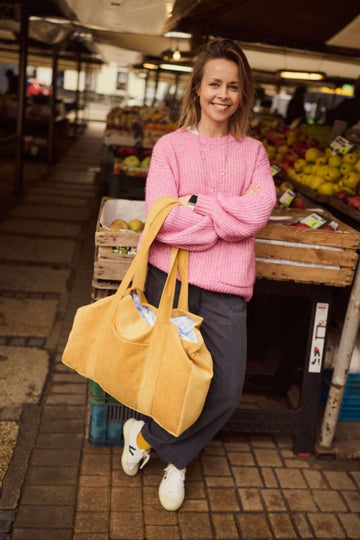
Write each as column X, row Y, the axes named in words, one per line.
column 136, row 225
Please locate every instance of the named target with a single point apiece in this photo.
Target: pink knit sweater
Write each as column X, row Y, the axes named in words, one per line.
column 220, row 233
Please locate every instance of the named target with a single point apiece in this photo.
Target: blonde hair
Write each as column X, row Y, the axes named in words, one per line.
column 190, row 109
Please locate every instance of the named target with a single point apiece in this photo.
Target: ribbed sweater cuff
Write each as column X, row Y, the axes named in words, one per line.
column 205, row 205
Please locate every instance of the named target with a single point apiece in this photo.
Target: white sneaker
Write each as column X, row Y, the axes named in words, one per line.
column 132, row 455
column 172, row 488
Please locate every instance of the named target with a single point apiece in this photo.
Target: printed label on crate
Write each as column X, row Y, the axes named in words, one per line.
column 315, row 221
column 274, row 169
column 318, row 337
column 341, row 146
column 287, row 197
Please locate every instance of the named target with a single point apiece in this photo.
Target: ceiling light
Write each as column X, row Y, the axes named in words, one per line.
column 180, row 35
column 303, row 75
column 176, row 55
column 174, row 67
column 147, row 65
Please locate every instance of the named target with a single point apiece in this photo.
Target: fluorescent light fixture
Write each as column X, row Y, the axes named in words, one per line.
column 303, row 75
column 174, row 67
column 147, row 65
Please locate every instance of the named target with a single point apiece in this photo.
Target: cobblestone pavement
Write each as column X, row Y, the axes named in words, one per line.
column 55, row 485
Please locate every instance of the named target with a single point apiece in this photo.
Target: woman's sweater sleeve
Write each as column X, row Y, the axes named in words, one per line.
column 182, row 228
column 237, row 217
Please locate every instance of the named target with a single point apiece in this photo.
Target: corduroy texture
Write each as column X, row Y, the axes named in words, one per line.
column 220, row 233
column 147, row 368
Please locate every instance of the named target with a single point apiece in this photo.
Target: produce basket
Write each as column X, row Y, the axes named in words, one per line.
column 111, row 257
column 304, row 255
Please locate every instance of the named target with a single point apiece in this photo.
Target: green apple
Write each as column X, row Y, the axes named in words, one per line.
column 357, row 166
column 351, row 179
column 299, row 164
column 321, row 160
column 332, row 174
column 346, row 168
column 351, row 157
column 312, row 154
column 323, row 170
column 326, row 188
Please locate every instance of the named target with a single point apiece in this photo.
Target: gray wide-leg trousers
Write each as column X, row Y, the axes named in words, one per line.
column 224, row 333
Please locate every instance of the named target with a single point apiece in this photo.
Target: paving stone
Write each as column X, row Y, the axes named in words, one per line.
column 194, row 505
column 37, row 227
column 68, row 378
column 250, row 500
column 282, row 526
column 8, row 437
column 156, row 516
column 94, row 464
column 23, row 375
column 78, row 388
column 241, row 458
column 223, row 499
column 290, row 478
column 49, row 495
column 219, row 481
column 53, row 517
column 41, row 534
column 62, row 426
column 352, row 499
column 302, row 525
column 91, row 522
column 126, row 499
column 126, row 525
column 194, row 490
column 259, row 440
column 267, row 457
column 326, row 526
column 339, row 480
column 247, row 477
column 356, row 476
column 269, row 477
column 329, row 501
column 193, row 526
column 26, row 317
column 296, row 463
column 66, row 399
column 52, row 476
column 61, row 413
column 161, row 532
column 225, row 526
column 273, row 499
column 15, row 277
column 237, row 446
column 315, row 479
column 95, row 480
column 53, row 213
column 36, row 250
column 351, row 524
column 59, row 440
column 300, row 500
column 253, row 526
column 93, row 499
column 64, row 457
column 48, row 200
column 215, row 466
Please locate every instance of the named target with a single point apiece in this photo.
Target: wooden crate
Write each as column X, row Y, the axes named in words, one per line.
column 110, row 266
column 284, row 252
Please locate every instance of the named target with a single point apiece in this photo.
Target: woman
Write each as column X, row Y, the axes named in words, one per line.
column 222, row 178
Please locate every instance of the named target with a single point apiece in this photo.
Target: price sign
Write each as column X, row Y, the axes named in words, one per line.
column 315, row 221
column 287, row 197
column 275, row 169
column 341, row 146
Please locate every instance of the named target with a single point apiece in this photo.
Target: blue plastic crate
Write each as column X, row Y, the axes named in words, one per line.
column 350, row 405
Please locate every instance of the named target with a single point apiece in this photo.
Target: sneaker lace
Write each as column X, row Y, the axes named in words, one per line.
column 171, row 472
column 145, row 456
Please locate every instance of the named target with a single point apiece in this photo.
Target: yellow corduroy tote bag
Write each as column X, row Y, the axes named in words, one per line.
column 150, row 368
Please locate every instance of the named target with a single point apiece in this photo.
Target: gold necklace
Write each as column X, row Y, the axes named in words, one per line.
column 203, row 150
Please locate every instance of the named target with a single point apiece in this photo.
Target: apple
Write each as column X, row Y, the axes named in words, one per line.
column 357, row 188
column 283, row 148
column 346, row 168
column 351, row 179
column 316, row 181
column 335, row 161
column 357, row 166
column 321, row 160
column 323, row 170
column 355, row 201
column 326, row 188
column 312, row 154
column 332, row 174
column 351, row 158
column 342, row 195
column 298, row 203
column 299, row 164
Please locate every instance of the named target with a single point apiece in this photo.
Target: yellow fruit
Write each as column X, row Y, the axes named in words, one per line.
column 312, row 154
column 299, row 164
column 351, row 179
column 316, row 181
column 118, row 224
column 351, row 158
column 136, row 225
column 323, row 170
column 357, row 166
column 335, row 161
column 326, row 188
column 321, row 160
column 332, row 174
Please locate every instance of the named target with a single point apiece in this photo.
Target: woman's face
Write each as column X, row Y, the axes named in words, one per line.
column 219, row 92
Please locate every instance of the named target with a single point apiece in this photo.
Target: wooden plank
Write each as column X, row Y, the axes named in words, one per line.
column 345, row 257
column 302, row 274
column 111, row 270
column 308, row 236
column 105, row 237
column 106, row 252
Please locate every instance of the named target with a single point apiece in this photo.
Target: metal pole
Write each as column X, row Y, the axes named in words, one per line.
column 346, row 347
column 146, row 85
column 23, row 44
column 52, row 123
column 157, row 73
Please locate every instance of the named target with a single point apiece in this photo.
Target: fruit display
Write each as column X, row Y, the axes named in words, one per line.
column 131, row 162
column 119, row 224
column 156, row 122
column 122, row 118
